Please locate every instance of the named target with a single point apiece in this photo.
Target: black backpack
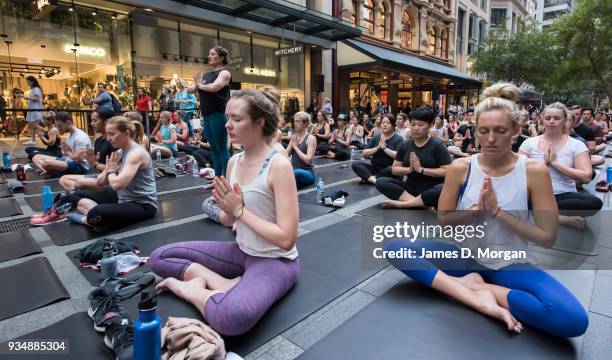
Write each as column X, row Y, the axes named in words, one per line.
column 93, row 252
column 116, row 103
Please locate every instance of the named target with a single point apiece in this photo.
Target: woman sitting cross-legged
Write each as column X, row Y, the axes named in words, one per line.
column 129, row 193
column 497, row 186
column 233, row 284
column 422, row 160
column 167, row 137
column 340, row 139
column 382, row 149
column 301, row 148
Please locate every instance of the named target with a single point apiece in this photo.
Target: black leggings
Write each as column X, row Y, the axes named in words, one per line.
column 109, row 212
column 393, row 188
column 340, row 154
column 203, row 157
column 365, row 170
column 32, row 151
column 578, row 204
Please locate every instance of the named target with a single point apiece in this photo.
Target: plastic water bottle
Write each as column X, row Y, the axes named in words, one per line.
column 147, row 329
column 47, row 198
column 320, row 189
column 172, row 162
column 609, row 175
column 108, row 264
column 194, row 168
column 158, row 155
column 6, row 159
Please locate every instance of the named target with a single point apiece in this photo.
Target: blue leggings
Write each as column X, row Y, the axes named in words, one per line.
column 535, row 298
column 303, row 178
column 214, row 128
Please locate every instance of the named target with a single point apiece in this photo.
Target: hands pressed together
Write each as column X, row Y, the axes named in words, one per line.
column 228, row 198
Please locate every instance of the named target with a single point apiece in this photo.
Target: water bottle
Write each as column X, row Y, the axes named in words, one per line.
column 320, row 189
column 194, row 168
column 158, row 155
column 172, row 162
column 108, row 264
column 352, row 154
column 147, row 329
column 609, row 175
column 47, row 198
column 6, row 159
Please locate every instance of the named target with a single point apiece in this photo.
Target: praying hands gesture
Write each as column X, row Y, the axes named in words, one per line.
column 112, row 162
column 65, row 148
column 199, row 80
column 415, row 163
column 229, row 199
column 91, row 158
column 488, row 200
column 294, row 142
column 550, row 155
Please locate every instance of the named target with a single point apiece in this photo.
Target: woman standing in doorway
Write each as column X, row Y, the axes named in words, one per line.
column 214, row 91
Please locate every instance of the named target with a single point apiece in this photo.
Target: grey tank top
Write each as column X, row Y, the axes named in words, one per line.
column 297, row 162
column 141, row 189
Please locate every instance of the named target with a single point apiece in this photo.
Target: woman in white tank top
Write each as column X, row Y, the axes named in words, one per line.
column 260, row 201
column 497, row 185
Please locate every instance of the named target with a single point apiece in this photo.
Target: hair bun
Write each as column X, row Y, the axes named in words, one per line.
column 272, row 94
column 502, row 90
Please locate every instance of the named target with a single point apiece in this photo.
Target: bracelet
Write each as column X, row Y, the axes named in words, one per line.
column 111, row 172
column 494, row 215
column 241, row 212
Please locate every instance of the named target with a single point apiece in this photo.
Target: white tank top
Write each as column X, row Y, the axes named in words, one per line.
column 259, row 199
column 512, row 196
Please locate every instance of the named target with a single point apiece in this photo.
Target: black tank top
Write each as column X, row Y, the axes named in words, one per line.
column 56, row 146
column 321, row 132
column 213, row 102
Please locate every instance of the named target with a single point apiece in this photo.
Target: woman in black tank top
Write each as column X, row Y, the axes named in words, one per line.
column 51, row 138
column 214, row 91
column 341, row 140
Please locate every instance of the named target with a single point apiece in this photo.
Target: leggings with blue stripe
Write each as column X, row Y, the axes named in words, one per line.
column 303, row 178
column 535, row 297
column 214, row 129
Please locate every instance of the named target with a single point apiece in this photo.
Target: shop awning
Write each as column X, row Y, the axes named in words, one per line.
column 285, row 14
column 354, row 52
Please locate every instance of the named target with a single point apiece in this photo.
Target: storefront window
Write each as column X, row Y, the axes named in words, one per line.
column 45, row 48
column 367, row 16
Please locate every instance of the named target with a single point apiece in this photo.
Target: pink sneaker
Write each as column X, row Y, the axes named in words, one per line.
column 48, row 218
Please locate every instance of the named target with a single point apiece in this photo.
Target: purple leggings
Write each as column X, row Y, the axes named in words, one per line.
column 263, row 282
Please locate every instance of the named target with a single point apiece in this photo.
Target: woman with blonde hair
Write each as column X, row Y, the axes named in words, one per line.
column 186, row 102
column 511, row 290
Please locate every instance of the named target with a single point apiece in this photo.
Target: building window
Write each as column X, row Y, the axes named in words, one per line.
column 354, row 13
column 432, row 41
column 444, row 44
column 483, row 4
column 367, row 16
column 406, row 30
column 498, row 17
column 381, row 23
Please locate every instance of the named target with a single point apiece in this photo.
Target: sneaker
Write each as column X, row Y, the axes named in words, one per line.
column 119, row 336
column 103, row 305
column 29, row 142
column 339, row 202
column 207, row 173
column 53, row 216
column 328, row 201
column 58, row 209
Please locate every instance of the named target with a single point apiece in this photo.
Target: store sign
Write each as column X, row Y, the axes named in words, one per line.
column 85, row 50
column 260, row 72
column 295, row 50
column 40, row 8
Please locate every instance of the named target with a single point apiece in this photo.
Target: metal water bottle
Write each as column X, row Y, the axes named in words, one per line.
column 147, row 329
column 609, row 175
column 108, row 264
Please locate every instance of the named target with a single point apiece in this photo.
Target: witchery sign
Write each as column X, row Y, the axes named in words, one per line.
column 289, row 51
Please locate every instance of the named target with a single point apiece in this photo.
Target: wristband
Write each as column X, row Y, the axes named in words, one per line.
column 494, row 215
column 111, row 172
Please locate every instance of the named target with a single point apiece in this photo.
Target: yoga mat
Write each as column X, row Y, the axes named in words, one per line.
column 173, row 183
column 36, row 188
column 357, row 192
column 9, row 207
column 309, row 211
column 413, row 321
column 84, row 341
column 387, row 215
column 330, row 266
column 17, row 244
column 332, row 174
column 30, row 285
column 4, row 191
column 172, row 207
column 147, row 242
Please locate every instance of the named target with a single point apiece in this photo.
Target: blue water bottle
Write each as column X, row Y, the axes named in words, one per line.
column 47, row 198
column 609, row 175
column 147, row 329
column 6, row 159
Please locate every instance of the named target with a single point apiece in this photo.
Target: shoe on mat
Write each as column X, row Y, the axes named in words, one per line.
column 339, row 202
column 207, row 173
column 328, row 201
column 58, row 209
column 50, row 217
column 128, row 286
column 119, row 336
column 103, row 304
column 29, row 142
column 602, row 186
